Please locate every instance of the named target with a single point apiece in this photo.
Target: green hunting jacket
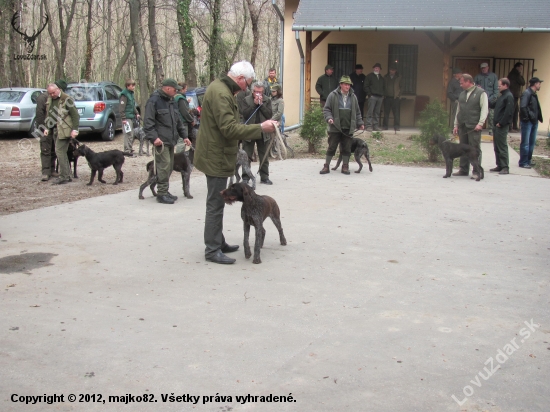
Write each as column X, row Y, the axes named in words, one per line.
column 326, row 84
column 63, row 114
column 221, row 130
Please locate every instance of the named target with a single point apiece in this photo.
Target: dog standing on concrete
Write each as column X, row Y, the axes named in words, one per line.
column 358, row 148
column 244, row 162
column 451, row 151
column 99, row 161
column 181, row 164
column 254, row 211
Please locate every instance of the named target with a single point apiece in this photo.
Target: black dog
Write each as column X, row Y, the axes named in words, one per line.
column 181, row 164
column 254, row 211
column 140, row 135
column 99, row 161
column 358, row 148
column 451, row 151
column 73, row 144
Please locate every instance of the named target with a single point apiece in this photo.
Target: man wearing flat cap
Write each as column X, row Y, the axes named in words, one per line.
column 162, row 126
column 392, row 97
column 343, row 116
column 358, row 80
column 530, row 114
column 454, row 90
column 326, row 83
column 488, row 81
column 375, row 89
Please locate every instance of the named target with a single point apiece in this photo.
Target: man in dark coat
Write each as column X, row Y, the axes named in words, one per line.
column 358, row 80
column 530, row 114
column 325, row 84
column 453, row 91
column 162, row 126
column 517, row 81
column 375, row 89
column 504, row 109
column 392, row 98
column 343, row 117
column 216, row 151
column 128, row 114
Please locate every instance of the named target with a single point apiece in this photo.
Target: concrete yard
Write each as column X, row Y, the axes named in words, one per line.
column 398, row 291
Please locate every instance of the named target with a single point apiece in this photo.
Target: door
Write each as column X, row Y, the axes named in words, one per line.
column 113, row 104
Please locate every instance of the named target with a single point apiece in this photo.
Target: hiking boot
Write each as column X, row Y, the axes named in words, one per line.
column 171, row 196
column 61, row 181
column 45, row 178
column 504, row 171
column 325, row 170
column 165, row 199
column 460, row 173
column 266, row 181
column 345, row 169
column 495, row 169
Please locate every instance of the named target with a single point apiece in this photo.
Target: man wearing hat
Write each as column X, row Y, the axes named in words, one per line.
column 392, row 84
column 488, row 81
column 326, row 83
column 47, row 141
column 358, row 80
column 375, row 89
column 162, row 125
column 454, row 90
column 342, row 113
column 530, row 114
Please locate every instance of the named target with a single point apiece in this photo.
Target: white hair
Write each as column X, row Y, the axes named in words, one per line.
column 242, row 68
column 258, row 85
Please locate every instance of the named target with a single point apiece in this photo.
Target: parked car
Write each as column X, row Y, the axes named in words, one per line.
column 18, row 108
column 194, row 97
column 98, row 106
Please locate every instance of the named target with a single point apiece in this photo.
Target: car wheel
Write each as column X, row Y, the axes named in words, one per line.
column 109, row 133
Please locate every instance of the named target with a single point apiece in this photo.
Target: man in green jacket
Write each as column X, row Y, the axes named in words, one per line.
column 128, row 112
column 375, row 90
column 62, row 119
column 325, row 84
column 216, row 151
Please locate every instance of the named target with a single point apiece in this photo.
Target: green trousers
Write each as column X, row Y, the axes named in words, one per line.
column 472, row 138
column 47, row 153
column 61, row 146
column 164, row 158
column 500, row 144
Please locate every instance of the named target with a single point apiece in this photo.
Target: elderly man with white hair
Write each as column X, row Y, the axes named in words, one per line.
column 216, row 151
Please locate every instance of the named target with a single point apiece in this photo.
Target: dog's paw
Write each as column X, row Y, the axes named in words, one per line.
column 88, row 184
column 247, row 255
column 189, row 196
column 116, row 183
column 445, row 176
column 283, row 243
column 141, row 197
column 257, row 260
column 357, row 171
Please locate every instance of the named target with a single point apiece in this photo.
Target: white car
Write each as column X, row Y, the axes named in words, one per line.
column 18, row 108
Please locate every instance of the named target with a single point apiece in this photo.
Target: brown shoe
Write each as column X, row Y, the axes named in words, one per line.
column 325, row 170
column 460, row 173
column 345, row 169
column 504, row 171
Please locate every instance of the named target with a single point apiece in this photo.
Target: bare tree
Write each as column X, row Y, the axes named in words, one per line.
column 255, row 9
column 138, row 50
column 187, row 44
column 157, row 60
column 64, row 30
column 87, row 72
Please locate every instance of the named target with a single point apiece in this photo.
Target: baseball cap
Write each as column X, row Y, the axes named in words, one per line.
column 482, row 65
column 171, row 83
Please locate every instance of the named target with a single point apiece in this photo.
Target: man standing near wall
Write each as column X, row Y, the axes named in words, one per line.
column 392, row 84
column 530, row 114
column 471, row 114
column 504, row 109
column 488, row 81
column 358, row 79
column 517, row 81
column 374, row 89
column 269, row 81
column 453, row 91
column 325, row 84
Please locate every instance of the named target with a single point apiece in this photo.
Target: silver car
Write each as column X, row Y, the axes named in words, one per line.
column 18, row 108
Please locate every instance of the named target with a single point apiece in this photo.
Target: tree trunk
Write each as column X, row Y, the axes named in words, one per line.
column 123, row 60
column 87, row 74
column 214, row 55
column 157, row 59
column 139, row 53
column 3, row 29
column 187, row 43
column 254, row 10
column 13, row 50
column 241, row 35
column 60, row 46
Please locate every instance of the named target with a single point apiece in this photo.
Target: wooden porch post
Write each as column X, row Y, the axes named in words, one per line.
column 308, row 71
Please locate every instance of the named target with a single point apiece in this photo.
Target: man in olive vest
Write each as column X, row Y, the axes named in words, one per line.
column 62, row 118
column 128, row 113
column 471, row 114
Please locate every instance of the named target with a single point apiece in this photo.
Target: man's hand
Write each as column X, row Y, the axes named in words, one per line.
column 498, row 125
column 138, row 116
column 74, row 133
column 258, row 98
column 455, row 131
column 478, row 128
column 124, row 121
column 362, row 127
column 187, row 141
column 330, row 121
column 269, row 126
column 157, row 142
column 46, row 132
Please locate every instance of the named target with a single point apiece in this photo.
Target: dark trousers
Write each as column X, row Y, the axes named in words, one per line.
column 164, row 158
column 248, row 147
column 213, row 222
column 322, row 103
column 391, row 103
column 337, row 138
column 362, row 109
column 374, row 104
column 47, row 152
column 470, row 137
column 515, row 117
column 500, row 144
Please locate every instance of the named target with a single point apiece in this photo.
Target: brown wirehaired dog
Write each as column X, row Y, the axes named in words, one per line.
column 254, row 211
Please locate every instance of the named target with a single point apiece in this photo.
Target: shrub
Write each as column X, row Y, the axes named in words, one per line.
column 377, row 135
column 433, row 120
column 314, row 127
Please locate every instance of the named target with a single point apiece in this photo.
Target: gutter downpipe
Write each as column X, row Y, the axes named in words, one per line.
column 282, row 45
column 302, row 83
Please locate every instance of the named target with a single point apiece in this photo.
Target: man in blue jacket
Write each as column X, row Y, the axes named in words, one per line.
column 530, row 114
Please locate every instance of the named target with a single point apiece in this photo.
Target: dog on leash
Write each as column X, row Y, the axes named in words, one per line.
column 358, row 148
column 254, row 211
column 451, row 151
column 181, row 164
column 140, row 135
column 99, row 161
column 244, row 162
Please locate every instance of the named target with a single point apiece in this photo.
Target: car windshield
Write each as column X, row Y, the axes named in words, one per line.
column 193, row 101
column 84, row 94
column 11, row 96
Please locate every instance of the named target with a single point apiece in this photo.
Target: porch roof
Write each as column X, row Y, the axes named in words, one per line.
column 432, row 15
